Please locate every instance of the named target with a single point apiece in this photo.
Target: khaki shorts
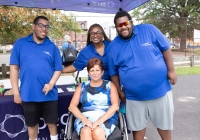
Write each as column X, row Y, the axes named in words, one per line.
column 160, row 111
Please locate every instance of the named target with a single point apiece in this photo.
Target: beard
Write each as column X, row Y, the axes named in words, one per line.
column 129, row 35
column 126, row 37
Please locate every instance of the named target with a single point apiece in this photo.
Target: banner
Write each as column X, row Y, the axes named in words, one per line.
column 197, row 36
column 195, row 42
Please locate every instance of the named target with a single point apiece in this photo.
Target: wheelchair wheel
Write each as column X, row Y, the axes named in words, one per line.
column 122, row 126
column 125, row 136
column 69, row 127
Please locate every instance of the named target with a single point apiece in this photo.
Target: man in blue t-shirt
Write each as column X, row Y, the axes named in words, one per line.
column 140, row 64
column 36, row 60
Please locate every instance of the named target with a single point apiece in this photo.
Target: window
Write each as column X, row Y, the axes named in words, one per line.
column 84, row 43
column 82, row 26
column 74, row 44
column 79, row 44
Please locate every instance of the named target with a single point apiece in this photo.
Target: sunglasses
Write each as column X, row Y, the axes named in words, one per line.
column 126, row 23
column 40, row 25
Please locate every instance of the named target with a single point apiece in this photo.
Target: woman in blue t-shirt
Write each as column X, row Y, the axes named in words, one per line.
column 97, row 44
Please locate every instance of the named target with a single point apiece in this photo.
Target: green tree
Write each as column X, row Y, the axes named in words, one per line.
column 176, row 18
column 16, row 22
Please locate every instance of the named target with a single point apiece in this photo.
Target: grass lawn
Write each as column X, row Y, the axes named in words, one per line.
column 179, row 71
column 188, row 70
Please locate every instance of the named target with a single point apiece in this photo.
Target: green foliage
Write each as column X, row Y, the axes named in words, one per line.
column 198, row 52
column 188, row 70
column 177, row 18
column 16, row 22
column 84, row 79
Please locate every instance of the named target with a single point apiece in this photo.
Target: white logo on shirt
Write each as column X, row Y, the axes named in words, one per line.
column 70, row 54
column 48, row 53
column 146, row 44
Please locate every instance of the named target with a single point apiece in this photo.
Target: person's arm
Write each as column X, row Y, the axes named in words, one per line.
column 115, row 80
column 112, row 109
column 49, row 86
column 14, row 78
column 170, row 66
column 73, row 107
column 69, row 69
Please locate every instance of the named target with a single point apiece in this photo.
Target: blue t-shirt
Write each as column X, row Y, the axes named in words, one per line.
column 37, row 64
column 140, row 64
column 90, row 52
column 65, row 45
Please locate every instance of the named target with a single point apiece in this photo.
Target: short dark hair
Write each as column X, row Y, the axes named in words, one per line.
column 94, row 61
column 91, row 27
column 38, row 18
column 121, row 13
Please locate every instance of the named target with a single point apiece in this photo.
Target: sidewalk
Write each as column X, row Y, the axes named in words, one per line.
column 186, row 110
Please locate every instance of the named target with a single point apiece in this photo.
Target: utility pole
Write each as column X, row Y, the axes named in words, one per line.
column 75, row 33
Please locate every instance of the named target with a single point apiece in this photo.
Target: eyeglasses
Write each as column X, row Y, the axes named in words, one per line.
column 98, row 33
column 47, row 27
column 126, row 23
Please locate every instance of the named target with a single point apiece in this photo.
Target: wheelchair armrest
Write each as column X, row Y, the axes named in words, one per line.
column 120, row 117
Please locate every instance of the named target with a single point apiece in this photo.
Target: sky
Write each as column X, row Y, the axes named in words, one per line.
column 105, row 20
column 92, row 18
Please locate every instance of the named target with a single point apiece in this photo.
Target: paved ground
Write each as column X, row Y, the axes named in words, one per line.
column 186, row 95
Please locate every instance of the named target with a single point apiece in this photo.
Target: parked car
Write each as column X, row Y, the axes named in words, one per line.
column 9, row 51
column 175, row 45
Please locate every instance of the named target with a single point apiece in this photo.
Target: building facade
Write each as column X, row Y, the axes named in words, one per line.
column 79, row 40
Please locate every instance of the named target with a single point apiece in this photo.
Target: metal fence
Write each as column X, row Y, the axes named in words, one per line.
column 4, row 71
column 189, row 61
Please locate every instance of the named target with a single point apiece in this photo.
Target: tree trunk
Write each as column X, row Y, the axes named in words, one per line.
column 184, row 34
column 183, row 45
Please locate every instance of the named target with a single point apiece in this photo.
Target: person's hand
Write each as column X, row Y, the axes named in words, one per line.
column 95, row 124
column 17, row 99
column 87, row 123
column 47, row 88
column 172, row 77
column 122, row 95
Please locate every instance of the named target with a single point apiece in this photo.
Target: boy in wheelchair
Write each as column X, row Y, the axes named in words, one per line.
column 96, row 119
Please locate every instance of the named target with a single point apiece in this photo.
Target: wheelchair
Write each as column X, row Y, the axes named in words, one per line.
column 119, row 133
